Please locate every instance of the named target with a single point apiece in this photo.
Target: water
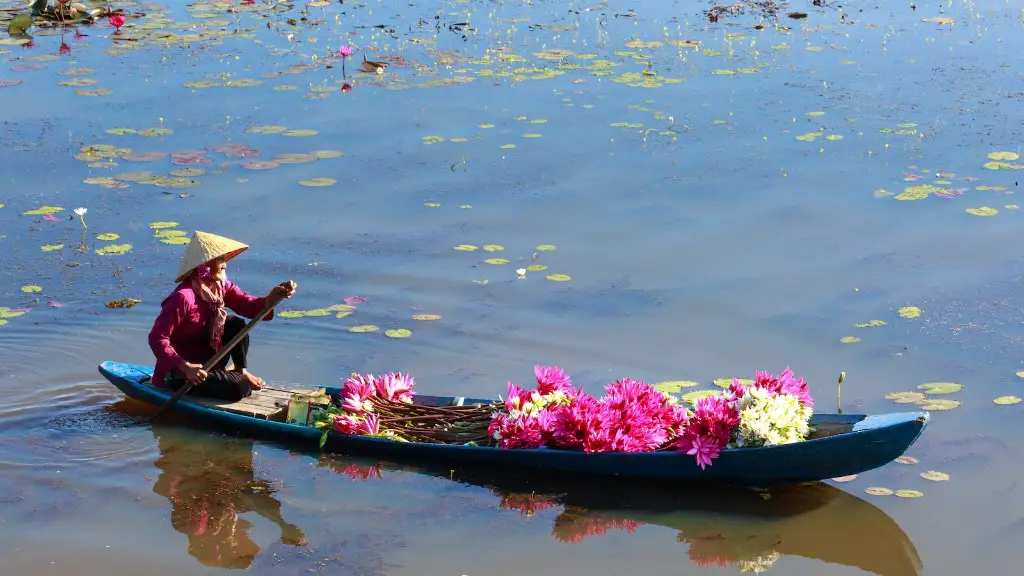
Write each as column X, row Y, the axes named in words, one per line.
column 701, row 237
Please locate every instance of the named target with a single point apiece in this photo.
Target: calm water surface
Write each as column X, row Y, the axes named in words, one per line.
column 722, row 196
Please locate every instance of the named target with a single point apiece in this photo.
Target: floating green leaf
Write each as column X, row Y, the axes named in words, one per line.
column 849, row 339
column 909, row 312
column 159, row 225
column 691, row 397
column 726, row 382
column 1007, row 400
column 559, row 277
column 398, row 333
column 674, row 386
column 31, row 289
column 51, row 247
column 878, row 491
column 107, row 236
column 432, row 139
column 496, row 261
column 6, row 312
column 364, row 328
column 940, row 387
column 938, row 404
column 935, row 476
column 982, row 211
column 905, row 397
column 546, row 247
column 466, row 247
column 871, row 323
column 909, row 493
column 43, row 211
column 493, row 247
column 318, row 182
column 113, row 249
column 426, row 317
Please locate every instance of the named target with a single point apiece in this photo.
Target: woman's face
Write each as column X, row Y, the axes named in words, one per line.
column 219, row 269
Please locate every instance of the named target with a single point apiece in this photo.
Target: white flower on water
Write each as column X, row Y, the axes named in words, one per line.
column 81, row 211
column 521, row 272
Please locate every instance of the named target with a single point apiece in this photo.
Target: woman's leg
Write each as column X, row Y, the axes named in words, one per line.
column 239, row 354
column 221, row 384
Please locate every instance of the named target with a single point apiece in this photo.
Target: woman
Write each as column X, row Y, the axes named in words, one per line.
column 193, row 323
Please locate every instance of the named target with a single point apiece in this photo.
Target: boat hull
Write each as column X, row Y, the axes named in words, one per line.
column 870, row 442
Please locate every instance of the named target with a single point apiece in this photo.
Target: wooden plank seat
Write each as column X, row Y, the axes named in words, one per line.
column 269, row 403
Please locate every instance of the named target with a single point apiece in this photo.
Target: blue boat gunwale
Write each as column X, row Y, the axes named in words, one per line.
column 860, row 423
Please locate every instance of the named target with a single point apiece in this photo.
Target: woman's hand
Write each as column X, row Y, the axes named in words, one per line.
column 284, row 289
column 194, row 373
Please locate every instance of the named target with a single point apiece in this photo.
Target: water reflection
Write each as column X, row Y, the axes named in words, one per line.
column 723, row 527
column 210, row 484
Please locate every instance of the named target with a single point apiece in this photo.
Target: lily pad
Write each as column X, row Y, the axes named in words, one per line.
column 849, row 339
column 726, row 382
column 559, row 277
column 493, row 248
column 398, row 333
column 908, row 460
column 1007, row 400
column 1005, row 156
column 938, row 404
column 43, row 211
column 909, row 493
column 465, row 247
column 546, row 247
column 935, row 476
column 31, row 289
column 871, row 323
column 940, row 387
column 691, row 397
column 909, row 312
column 51, row 247
column 982, row 211
column 426, row 317
column 113, row 249
column 878, row 491
column 496, row 261
column 674, row 386
column 842, row 479
column 318, row 182
column 160, row 225
column 905, row 397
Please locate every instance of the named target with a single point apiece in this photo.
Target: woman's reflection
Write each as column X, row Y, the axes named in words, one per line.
column 210, row 483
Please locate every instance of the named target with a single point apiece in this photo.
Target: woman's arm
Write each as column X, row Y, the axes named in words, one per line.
column 172, row 313
column 244, row 303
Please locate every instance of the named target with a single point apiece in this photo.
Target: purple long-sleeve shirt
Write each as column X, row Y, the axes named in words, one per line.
column 181, row 330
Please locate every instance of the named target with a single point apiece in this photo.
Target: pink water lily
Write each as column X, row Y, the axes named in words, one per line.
column 353, row 300
column 345, row 51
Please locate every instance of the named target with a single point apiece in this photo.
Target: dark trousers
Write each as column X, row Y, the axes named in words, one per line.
column 220, row 383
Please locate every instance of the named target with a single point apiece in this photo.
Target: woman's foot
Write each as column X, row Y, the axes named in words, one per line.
column 255, row 382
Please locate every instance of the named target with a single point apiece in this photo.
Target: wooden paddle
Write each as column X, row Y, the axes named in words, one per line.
column 224, row 350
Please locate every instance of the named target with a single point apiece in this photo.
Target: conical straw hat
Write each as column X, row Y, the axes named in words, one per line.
column 205, row 247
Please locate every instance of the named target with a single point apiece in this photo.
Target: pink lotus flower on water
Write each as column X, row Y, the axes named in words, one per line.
column 116, row 20
column 396, row 387
column 353, row 300
column 345, row 51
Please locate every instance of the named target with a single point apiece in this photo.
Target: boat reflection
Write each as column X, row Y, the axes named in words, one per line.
column 209, row 482
column 747, row 529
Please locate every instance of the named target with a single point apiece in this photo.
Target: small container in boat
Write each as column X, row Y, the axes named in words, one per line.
column 298, row 410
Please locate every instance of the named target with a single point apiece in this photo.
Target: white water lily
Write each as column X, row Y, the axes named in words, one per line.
column 81, row 215
column 521, row 272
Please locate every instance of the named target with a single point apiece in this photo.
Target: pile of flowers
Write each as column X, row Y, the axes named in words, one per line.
column 631, row 416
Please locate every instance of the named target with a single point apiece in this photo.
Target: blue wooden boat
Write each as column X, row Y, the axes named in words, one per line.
column 842, row 444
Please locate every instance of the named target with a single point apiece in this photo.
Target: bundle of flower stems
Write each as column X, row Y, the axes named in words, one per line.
column 439, row 424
